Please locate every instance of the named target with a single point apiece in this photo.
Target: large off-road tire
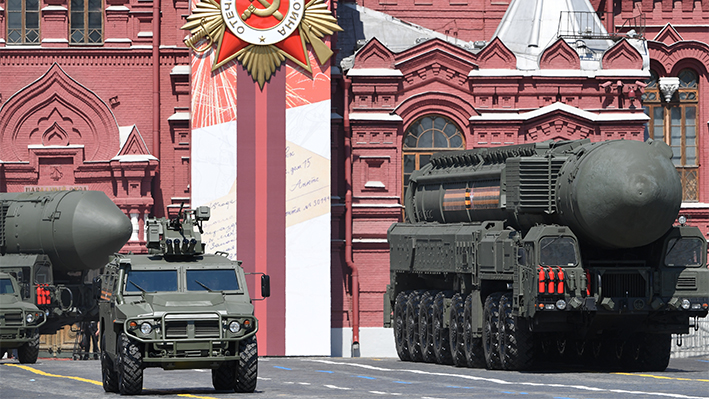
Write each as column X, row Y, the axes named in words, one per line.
column 457, row 341
column 516, row 340
column 491, row 336
column 611, row 357
column 575, row 352
column 108, row 371
column 426, row 327
column 412, row 326
column 247, row 367
column 224, row 377
column 130, row 366
column 655, row 355
column 441, row 335
column 473, row 345
column 27, row 353
column 402, row 347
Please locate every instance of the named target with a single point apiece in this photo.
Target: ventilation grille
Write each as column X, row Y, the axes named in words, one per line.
column 13, row 319
column 4, row 206
column 687, row 283
column 535, row 181
column 176, row 329
column 623, row 284
column 192, row 329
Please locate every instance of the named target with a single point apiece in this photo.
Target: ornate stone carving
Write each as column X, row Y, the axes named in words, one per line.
column 668, row 86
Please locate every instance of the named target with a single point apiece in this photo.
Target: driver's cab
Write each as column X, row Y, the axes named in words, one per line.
column 683, row 267
column 549, row 246
column 551, row 257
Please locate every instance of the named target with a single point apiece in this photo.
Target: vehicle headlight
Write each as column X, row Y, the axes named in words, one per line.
column 686, row 304
column 146, row 328
column 561, row 304
column 234, row 327
column 29, row 317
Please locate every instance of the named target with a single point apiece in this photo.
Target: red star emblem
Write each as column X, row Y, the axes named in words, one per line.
column 293, row 46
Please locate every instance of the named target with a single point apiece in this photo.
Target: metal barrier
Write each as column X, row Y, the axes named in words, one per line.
column 696, row 343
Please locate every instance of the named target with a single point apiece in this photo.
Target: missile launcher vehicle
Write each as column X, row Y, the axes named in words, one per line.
column 177, row 308
column 552, row 251
column 51, row 241
column 19, row 322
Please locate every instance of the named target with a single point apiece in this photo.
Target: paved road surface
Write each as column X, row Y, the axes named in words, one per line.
column 364, row 378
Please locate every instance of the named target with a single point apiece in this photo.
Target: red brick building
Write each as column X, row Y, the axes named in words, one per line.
column 96, row 95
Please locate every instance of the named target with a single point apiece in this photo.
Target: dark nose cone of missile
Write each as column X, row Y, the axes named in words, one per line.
column 94, row 229
column 625, row 194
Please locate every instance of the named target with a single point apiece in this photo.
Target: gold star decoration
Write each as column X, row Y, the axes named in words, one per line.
column 261, row 34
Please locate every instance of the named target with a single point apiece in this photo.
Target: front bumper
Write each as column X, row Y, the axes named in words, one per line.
column 15, row 331
column 183, row 340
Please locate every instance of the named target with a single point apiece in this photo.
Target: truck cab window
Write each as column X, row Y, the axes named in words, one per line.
column 42, row 274
column 684, row 252
column 557, row 251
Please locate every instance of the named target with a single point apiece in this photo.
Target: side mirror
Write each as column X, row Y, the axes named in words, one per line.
column 265, row 285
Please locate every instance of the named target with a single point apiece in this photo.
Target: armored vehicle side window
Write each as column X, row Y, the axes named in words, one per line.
column 6, row 286
column 684, row 252
column 557, row 251
column 212, row 280
column 151, row 280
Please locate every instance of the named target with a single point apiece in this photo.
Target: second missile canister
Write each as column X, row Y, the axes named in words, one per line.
column 78, row 230
column 613, row 194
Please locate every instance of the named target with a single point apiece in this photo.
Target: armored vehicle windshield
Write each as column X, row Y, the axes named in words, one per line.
column 182, row 279
column 151, row 281
column 212, row 280
column 6, row 286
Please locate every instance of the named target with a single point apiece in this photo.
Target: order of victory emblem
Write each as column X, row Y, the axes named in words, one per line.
column 261, row 34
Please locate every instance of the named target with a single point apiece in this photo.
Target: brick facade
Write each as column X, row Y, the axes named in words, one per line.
column 82, row 115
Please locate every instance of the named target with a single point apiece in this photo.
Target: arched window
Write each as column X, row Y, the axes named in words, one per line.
column 675, row 122
column 429, row 134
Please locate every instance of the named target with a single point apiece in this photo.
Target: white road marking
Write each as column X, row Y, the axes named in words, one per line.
column 504, row 382
column 336, row 387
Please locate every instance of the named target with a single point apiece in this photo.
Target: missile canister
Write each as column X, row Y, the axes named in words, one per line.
column 613, row 194
column 78, row 230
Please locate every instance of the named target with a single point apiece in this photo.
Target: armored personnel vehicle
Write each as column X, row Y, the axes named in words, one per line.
column 177, row 308
column 553, row 251
column 19, row 322
column 51, row 241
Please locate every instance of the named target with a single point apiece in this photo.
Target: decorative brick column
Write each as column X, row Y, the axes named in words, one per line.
column 55, row 20
column 115, row 31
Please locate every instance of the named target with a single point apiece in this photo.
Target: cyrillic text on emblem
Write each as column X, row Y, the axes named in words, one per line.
column 262, row 22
